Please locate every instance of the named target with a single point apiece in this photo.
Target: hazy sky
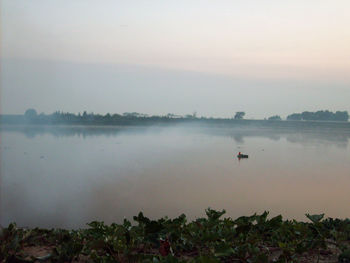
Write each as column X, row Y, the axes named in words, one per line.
column 158, row 56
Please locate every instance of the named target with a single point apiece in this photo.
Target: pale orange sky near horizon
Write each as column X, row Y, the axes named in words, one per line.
column 266, row 39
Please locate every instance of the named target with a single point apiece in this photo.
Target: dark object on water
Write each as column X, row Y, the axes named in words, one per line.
column 241, row 155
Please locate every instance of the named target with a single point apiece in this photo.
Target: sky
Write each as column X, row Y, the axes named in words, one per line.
column 264, row 57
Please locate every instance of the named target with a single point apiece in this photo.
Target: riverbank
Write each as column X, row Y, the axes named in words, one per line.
column 256, row 238
column 99, row 120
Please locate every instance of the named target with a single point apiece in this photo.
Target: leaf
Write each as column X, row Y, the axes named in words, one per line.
column 141, row 218
column 275, row 221
column 262, row 218
column 213, row 214
column 315, row 218
column 126, row 223
column 224, row 251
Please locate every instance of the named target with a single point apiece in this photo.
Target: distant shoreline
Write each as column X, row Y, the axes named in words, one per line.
column 165, row 121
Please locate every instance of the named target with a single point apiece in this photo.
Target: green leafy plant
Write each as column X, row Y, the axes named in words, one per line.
column 256, row 238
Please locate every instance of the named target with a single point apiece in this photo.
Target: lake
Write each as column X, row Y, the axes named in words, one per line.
column 67, row 176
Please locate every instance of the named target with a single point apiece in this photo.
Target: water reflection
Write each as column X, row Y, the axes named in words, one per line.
column 338, row 137
column 108, row 173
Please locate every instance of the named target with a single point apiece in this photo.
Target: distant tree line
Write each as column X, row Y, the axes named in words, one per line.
column 59, row 116
column 134, row 118
column 275, row 118
column 319, row 116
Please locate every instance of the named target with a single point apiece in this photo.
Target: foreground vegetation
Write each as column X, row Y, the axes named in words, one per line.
column 256, row 238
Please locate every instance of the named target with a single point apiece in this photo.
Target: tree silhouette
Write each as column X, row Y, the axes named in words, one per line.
column 294, row 117
column 275, row 118
column 320, row 116
column 239, row 115
column 30, row 114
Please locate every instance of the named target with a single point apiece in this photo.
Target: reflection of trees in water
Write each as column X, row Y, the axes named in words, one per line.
column 339, row 140
column 333, row 135
column 239, row 137
column 71, row 131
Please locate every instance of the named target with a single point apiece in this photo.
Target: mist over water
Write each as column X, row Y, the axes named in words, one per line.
column 69, row 176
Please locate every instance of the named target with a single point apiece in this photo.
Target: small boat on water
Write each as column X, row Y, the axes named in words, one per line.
column 241, row 155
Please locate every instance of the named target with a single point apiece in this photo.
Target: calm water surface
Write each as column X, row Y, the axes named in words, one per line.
column 68, row 176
